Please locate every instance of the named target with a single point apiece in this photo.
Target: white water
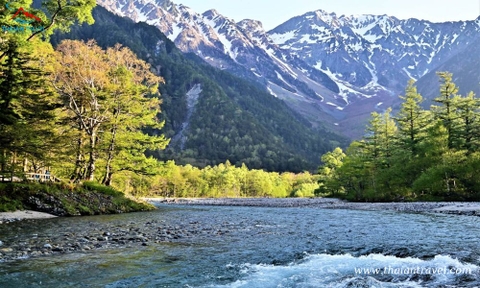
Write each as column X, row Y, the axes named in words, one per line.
column 346, row 270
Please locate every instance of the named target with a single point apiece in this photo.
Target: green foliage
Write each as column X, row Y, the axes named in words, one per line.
column 412, row 121
column 109, row 97
column 432, row 156
column 306, row 190
column 223, row 180
column 329, row 182
column 8, row 204
column 447, row 111
column 36, row 136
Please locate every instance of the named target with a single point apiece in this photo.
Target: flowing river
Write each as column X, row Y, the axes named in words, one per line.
column 259, row 247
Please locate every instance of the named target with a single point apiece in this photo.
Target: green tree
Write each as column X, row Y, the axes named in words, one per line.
column 379, row 148
column 447, row 110
column 353, row 175
column 53, row 15
column 329, row 181
column 81, row 81
column 105, row 99
column 133, row 107
column 412, row 121
column 468, row 108
column 27, row 100
column 26, row 104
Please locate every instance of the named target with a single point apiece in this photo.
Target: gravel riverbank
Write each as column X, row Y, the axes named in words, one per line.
column 94, row 237
column 8, row 217
column 458, row 208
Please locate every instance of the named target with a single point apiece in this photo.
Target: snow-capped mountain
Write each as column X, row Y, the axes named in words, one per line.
column 330, row 68
column 372, row 52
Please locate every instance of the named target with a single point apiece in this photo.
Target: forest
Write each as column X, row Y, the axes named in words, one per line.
column 417, row 154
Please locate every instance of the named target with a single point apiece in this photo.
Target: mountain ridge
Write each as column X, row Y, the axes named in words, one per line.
column 324, row 66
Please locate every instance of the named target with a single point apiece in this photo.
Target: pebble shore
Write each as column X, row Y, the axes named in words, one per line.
column 458, row 208
column 96, row 237
column 8, row 217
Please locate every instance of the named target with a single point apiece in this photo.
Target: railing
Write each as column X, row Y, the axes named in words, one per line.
column 41, row 177
column 9, row 177
column 38, row 177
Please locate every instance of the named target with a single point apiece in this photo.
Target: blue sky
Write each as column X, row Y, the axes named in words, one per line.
column 275, row 12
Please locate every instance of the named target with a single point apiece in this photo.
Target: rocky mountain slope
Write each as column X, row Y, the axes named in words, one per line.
column 211, row 115
column 330, row 68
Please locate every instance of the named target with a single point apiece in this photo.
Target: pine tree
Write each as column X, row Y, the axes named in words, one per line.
column 447, row 110
column 412, row 121
column 468, row 108
column 26, row 104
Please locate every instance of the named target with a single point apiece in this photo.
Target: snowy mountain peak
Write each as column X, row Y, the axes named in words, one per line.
column 212, row 13
column 250, row 24
column 324, row 16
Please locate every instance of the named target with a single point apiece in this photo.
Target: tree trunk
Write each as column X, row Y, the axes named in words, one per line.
column 92, row 156
column 107, row 179
column 3, row 162
column 77, row 173
column 25, row 165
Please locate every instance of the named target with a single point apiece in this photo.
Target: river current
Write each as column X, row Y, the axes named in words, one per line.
column 263, row 247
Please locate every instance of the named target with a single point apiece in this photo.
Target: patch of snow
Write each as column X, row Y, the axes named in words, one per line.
column 285, row 67
column 280, row 39
column 345, row 91
column 271, row 92
column 227, row 44
column 140, row 16
column 176, row 30
column 408, row 73
column 335, row 105
column 279, row 76
column 256, row 74
column 455, row 36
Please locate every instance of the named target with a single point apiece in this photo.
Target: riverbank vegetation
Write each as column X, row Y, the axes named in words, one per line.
column 72, row 115
column 89, row 198
column 220, row 181
column 416, row 154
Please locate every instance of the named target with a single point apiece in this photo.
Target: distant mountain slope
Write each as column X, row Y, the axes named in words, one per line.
column 465, row 67
column 329, row 68
column 211, row 115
